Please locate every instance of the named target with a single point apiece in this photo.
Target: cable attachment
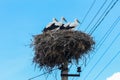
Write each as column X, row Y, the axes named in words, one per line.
column 78, row 69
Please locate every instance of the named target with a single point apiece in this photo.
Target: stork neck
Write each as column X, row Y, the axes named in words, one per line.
column 54, row 21
column 61, row 20
column 76, row 21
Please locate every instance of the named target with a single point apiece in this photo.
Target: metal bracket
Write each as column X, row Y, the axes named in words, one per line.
column 72, row 75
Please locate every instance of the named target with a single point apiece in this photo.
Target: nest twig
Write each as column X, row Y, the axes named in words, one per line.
column 55, row 48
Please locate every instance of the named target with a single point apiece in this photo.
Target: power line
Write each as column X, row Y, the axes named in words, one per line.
column 102, row 15
column 41, row 74
column 106, row 65
column 96, row 15
column 88, row 12
column 108, row 32
column 102, row 55
column 96, row 25
column 105, row 37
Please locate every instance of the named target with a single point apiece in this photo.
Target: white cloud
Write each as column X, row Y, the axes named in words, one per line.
column 115, row 76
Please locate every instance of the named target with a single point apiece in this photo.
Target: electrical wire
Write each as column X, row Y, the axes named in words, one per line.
column 102, row 55
column 96, row 25
column 106, row 65
column 102, row 15
column 87, row 12
column 96, row 15
column 42, row 74
column 107, row 34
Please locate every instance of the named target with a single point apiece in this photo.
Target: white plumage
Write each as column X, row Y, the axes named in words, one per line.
column 51, row 23
column 75, row 23
column 67, row 24
column 60, row 23
column 71, row 25
column 55, row 25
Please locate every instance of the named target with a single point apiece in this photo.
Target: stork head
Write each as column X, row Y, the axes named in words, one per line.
column 54, row 19
column 63, row 19
column 76, row 20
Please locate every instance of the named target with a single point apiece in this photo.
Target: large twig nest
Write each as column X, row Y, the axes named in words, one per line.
column 55, row 48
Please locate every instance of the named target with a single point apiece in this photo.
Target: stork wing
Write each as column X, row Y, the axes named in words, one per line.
column 50, row 24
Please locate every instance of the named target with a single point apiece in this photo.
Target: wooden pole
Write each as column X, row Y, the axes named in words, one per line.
column 64, row 71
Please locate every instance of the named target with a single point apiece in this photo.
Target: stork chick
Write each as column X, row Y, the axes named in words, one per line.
column 73, row 24
column 51, row 25
column 60, row 24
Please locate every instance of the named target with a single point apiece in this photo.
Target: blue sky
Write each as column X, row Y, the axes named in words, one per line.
column 20, row 19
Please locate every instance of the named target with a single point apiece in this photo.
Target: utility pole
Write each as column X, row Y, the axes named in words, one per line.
column 64, row 70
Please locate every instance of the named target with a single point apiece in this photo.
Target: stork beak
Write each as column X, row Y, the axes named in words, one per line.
column 65, row 20
column 78, row 21
column 56, row 20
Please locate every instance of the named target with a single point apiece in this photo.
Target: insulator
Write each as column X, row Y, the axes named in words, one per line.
column 78, row 69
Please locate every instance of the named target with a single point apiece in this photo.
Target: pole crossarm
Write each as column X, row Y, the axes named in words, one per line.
column 71, row 75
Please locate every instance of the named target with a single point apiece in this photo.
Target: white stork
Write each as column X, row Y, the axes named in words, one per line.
column 73, row 24
column 60, row 24
column 65, row 26
column 50, row 25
